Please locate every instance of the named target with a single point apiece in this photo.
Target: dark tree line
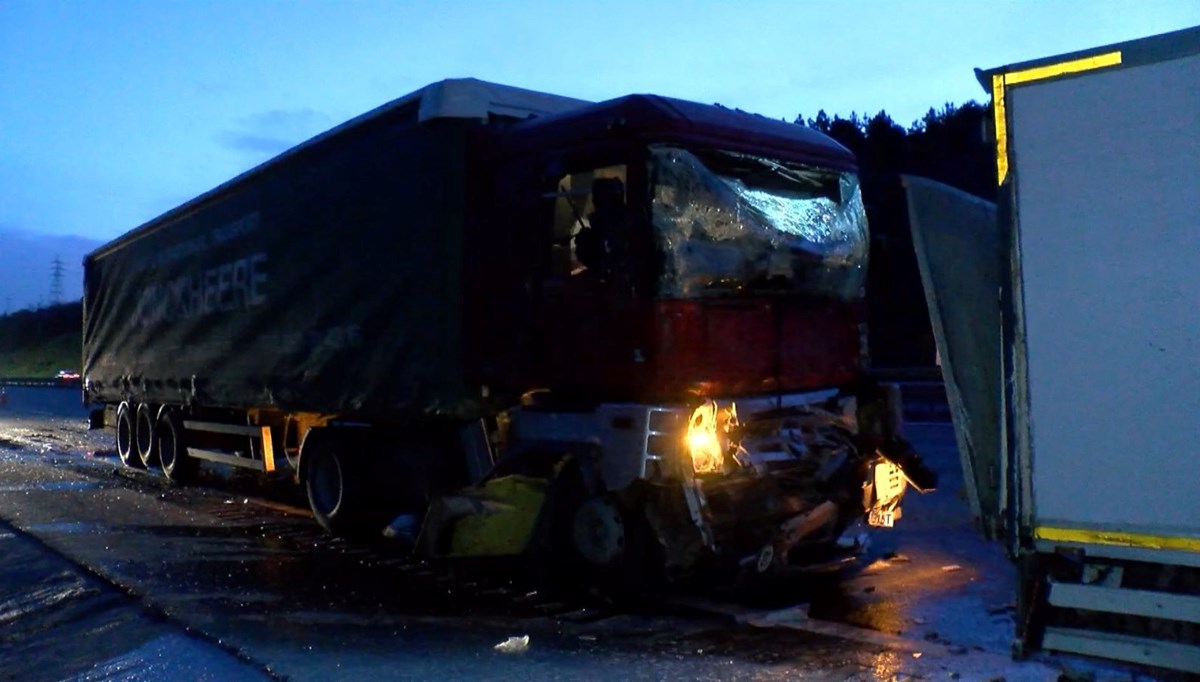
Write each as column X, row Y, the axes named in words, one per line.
column 948, row 145
column 29, row 328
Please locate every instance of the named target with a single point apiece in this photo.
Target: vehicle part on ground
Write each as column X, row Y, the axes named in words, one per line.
column 505, row 517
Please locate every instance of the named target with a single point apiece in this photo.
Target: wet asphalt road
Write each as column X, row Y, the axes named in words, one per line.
column 110, row 573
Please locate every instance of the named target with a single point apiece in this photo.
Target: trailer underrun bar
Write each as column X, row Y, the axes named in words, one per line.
column 261, row 433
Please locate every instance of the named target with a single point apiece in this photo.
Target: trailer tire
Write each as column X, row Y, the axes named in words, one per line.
column 144, row 434
column 178, row 467
column 125, row 430
column 338, row 487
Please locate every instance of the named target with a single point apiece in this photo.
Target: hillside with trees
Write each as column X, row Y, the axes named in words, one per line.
column 39, row 343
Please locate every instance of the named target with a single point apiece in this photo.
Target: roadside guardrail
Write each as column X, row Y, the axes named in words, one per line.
column 41, row 382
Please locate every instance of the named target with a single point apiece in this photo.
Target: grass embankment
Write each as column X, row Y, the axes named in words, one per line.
column 44, row 359
column 39, row 343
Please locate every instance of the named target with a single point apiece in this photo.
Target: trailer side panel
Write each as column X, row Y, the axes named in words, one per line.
column 329, row 282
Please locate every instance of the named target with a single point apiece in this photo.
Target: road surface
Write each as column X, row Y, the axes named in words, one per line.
column 111, row 573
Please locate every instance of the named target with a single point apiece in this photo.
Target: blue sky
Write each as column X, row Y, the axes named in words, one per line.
column 113, row 112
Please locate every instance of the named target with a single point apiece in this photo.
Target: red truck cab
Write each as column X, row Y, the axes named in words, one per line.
column 677, row 250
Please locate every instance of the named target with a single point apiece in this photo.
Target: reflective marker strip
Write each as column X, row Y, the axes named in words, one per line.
column 1104, row 537
column 1100, row 61
column 1001, row 81
column 999, row 107
column 268, row 450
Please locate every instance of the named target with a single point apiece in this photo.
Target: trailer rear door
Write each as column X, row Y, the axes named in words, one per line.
column 1107, row 246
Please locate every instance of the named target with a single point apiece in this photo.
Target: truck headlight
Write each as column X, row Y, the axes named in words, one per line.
column 707, row 436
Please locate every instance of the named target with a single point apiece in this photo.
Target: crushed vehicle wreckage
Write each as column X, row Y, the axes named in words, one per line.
column 782, row 488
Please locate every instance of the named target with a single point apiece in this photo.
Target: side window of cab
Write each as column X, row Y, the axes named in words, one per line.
column 587, row 236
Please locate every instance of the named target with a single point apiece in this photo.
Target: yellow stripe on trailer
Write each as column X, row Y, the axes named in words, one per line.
column 1039, row 73
column 999, row 108
column 1000, row 83
column 1105, row 537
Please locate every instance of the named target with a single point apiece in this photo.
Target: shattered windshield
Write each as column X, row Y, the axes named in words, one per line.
column 735, row 223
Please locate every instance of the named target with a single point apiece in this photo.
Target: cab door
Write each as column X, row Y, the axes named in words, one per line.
column 585, row 302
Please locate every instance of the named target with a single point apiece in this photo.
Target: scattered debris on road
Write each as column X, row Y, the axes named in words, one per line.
column 513, row 645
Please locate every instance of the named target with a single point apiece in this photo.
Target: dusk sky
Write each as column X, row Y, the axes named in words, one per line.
column 114, row 112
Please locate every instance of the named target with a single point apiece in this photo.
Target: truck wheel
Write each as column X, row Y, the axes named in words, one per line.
column 147, row 449
column 599, row 532
column 172, row 448
column 125, row 436
column 338, row 488
column 617, row 549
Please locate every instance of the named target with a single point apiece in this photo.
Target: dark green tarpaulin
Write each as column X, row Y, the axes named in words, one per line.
column 328, row 282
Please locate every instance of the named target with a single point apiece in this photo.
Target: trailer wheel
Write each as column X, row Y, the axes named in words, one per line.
column 172, row 448
column 125, row 436
column 337, row 485
column 147, row 448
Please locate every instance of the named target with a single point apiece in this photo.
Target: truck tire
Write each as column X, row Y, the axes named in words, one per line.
column 144, row 436
column 339, row 487
column 125, row 429
column 178, row 467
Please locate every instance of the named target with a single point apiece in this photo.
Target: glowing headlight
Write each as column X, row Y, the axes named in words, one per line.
column 704, row 437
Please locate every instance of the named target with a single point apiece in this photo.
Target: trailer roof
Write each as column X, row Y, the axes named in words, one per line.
column 1149, row 50
column 473, row 98
column 460, row 98
column 673, row 120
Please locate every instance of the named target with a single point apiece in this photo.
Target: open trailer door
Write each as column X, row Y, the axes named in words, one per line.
column 955, row 237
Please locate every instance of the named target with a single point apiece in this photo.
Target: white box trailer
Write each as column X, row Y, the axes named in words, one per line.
column 1077, row 397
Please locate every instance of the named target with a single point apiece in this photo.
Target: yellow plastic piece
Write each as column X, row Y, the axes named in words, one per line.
column 514, row 503
column 1104, row 537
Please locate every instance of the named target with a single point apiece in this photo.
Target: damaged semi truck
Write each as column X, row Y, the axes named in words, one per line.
column 630, row 331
